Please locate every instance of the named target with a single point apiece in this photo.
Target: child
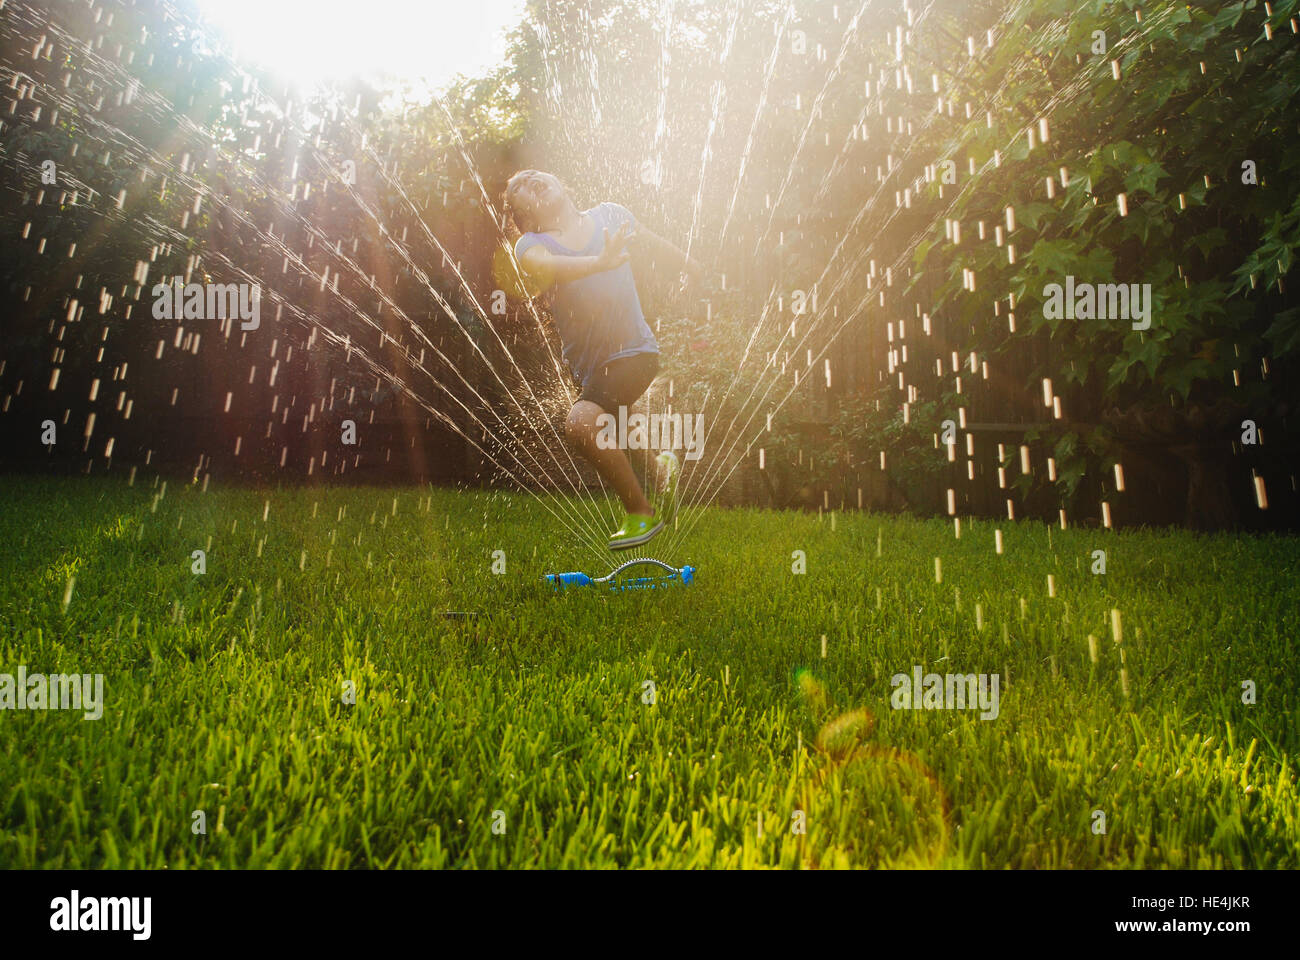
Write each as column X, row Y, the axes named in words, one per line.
column 607, row 342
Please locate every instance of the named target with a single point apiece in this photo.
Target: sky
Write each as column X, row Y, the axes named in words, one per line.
column 413, row 40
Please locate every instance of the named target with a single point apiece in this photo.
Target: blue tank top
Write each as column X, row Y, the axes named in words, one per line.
column 599, row 316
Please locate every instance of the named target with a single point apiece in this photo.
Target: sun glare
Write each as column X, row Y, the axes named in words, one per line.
column 311, row 41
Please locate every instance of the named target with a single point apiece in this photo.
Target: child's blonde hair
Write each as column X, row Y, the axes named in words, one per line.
column 515, row 217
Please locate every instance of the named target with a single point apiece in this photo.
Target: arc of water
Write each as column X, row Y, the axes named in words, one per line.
column 839, row 282
column 812, row 325
column 758, row 112
column 107, row 67
column 593, row 522
column 849, row 34
column 555, row 362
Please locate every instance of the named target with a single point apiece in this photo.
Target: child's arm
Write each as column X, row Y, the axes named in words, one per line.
column 670, row 254
column 547, row 268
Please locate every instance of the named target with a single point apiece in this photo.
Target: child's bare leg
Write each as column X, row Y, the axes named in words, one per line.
column 612, row 464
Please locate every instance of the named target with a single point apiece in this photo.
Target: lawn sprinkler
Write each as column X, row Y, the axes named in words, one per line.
column 683, row 576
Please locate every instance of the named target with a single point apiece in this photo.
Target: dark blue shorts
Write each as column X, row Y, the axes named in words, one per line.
column 620, row 383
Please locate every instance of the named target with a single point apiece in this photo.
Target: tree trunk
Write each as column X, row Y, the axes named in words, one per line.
column 1209, row 496
column 1199, row 437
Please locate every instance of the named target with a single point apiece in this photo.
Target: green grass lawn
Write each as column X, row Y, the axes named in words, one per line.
column 225, row 692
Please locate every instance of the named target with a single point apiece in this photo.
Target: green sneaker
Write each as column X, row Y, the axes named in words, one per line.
column 669, row 470
column 636, row 530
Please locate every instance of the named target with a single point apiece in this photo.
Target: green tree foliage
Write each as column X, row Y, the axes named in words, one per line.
column 1168, row 105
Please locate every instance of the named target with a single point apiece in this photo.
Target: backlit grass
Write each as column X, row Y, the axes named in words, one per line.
column 225, row 692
